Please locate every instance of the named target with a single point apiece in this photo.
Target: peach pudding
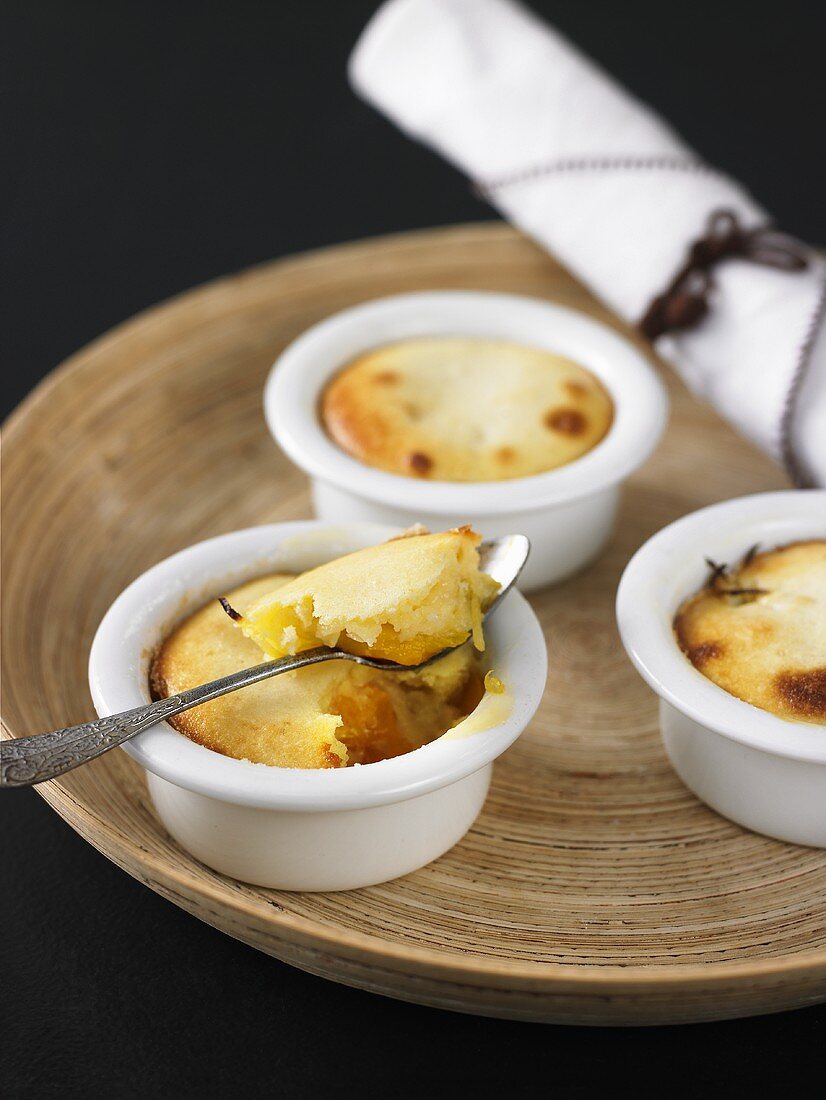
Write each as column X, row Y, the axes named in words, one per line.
column 404, row 600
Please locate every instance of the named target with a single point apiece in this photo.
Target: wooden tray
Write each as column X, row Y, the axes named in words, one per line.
column 594, row 888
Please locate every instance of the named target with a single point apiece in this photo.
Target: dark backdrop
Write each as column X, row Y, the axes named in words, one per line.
column 147, row 147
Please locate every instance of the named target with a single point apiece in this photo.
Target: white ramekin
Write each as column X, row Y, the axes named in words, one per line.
column 291, row 828
column 567, row 513
column 762, row 771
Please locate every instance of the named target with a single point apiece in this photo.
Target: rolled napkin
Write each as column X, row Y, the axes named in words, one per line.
column 595, row 177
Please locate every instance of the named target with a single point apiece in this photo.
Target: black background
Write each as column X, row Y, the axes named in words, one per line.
column 147, row 147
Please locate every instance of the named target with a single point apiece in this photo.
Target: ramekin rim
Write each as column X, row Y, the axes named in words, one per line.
column 117, row 682
column 780, row 516
column 640, row 405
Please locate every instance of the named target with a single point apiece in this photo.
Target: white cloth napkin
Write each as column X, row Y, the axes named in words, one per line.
column 593, row 175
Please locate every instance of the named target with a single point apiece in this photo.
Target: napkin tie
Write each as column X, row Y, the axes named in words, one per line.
column 685, row 301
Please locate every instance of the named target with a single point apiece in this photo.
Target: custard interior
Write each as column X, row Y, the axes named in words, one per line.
column 403, row 600
column 324, row 716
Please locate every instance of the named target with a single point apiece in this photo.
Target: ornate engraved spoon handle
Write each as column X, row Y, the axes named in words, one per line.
column 28, row 760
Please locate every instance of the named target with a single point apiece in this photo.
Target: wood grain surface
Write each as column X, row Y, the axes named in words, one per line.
column 594, row 888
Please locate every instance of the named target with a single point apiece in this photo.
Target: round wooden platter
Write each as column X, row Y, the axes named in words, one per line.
column 594, row 888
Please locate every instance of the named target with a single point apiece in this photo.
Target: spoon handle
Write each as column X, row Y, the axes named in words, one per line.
column 28, row 760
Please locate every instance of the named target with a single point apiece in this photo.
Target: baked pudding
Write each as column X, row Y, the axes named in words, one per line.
column 758, row 629
column 465, row 409
column 408, row 597
column 403, row 600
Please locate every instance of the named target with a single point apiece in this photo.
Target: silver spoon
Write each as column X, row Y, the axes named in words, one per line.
column 28, row 760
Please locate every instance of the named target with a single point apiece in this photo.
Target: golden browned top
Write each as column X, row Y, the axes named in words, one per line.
column 323, row 716
column 758, row 630
column 459, row 409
